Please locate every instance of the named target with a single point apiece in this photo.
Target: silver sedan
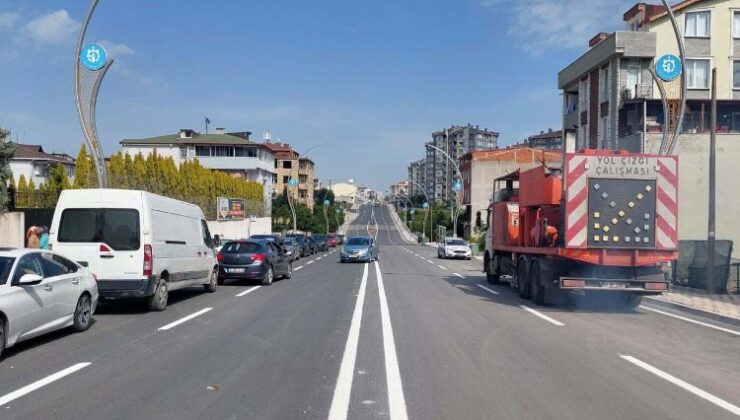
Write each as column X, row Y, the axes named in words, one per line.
column 40, row 292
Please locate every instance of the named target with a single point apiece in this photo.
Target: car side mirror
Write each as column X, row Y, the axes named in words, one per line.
column 30, row 279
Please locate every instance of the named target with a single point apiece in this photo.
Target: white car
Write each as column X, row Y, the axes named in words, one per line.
column 40, row 292
column 454, row 248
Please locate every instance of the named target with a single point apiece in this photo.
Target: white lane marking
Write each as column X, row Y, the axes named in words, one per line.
column 297, row 268
column 459, row 275
column 703, row 324
column 541, row 315
column 485, row 288
column 251, row 289
column 340, row 400
column 396, row 400
column 5, row 399
column 683, row 384
column 310, row 262
column 442, row 267
column 184, row 319
column 319, row 258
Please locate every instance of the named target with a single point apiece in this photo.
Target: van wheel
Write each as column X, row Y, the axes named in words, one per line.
column 267, row 280
column 158, row 301
column 83, row 313
column 211, row 286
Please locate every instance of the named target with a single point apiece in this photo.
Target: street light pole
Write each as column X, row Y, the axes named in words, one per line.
column 426, row 213
column 459, row 175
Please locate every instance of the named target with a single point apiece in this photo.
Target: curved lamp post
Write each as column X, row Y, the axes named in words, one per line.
column 426, row 205
column 91, row 66
column 292, row 182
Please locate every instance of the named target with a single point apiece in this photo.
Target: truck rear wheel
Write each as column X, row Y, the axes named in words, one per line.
column 491, row 268
column 629, row 300
column 535, row 284
column 522, row 279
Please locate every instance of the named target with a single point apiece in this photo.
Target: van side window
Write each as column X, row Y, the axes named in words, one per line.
column 206, row 234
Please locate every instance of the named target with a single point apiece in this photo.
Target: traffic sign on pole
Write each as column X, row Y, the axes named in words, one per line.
column 93, row 57
column 668, row 67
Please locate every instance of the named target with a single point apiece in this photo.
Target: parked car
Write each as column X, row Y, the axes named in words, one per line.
column 260, row 260
column 340, row 239
column 40, row 292
column 360, row 248
column 303, row 243
column 293, row 248
column 312, row 245
column 332, row 240
column 271, row 237
column 321, row 242
column 454, row 248
column 137, row 244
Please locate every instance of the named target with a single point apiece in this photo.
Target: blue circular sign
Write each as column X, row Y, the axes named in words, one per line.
column 457, row 186
column 668, row 67
column 292, row 182
column 326, row 202
column 93, row 57
column 425, row 205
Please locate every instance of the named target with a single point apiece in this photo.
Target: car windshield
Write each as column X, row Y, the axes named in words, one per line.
column 241, row 248
column 358, row 241
column 456, row 242
column 289, row 241
column 268, row 237
column 6, row 263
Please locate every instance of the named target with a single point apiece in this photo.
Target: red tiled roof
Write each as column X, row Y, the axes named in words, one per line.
column 660, row 11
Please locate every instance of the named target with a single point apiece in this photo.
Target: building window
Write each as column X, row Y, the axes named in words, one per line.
column 697, row 74
column 736, row 24
column 184, row 152
column 286, row 178
column 202, row 151
column 222, row 151
column 698, row 24
column 287, row 164
column 604, row 85
column 736, row 74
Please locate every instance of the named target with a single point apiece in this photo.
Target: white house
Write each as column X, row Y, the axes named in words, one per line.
column 33, row 163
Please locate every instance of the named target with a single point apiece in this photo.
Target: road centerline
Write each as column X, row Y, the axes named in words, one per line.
column 184, row 319
column 7, row 398
column 541, row 315
column 251, row 289
column 343, row 389
column 486, row 288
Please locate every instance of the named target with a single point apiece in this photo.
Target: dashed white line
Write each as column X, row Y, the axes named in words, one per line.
column 683, row 384
column 486, row 289
column 460, row 275
column 343, row 389
column 251, row 289
column 430, row 261
column 5, row 399
column 442, row 267
column 693, row 321
column 541, row 315
column 310, row 262
column 396, row 400
column 297, row 268
column 184, row 319
column 319, row 258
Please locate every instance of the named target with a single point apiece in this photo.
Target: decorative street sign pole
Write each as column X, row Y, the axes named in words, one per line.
column 91, row 66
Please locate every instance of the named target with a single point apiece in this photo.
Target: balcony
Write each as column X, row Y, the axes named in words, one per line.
column 639, row 91
column 304, row 171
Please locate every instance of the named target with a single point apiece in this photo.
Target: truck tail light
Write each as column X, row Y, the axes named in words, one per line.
column 656, row 286
column 148, row 260
column 573, row 284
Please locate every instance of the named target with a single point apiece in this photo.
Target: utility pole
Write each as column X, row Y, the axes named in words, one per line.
column 711, row 232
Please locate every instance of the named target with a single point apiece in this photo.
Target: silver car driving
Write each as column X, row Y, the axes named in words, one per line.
column 359, row 248
column 40, row 292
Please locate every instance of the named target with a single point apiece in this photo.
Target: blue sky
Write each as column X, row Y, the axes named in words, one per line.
column 375, row 77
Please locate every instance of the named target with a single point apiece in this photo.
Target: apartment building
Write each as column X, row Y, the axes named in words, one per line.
column 610, row 99
column 233, row 153
column 546, row 140
column 289, row 165
column 455, row 141
column 417, row 177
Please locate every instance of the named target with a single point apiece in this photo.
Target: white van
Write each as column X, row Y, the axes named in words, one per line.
column 137, row 244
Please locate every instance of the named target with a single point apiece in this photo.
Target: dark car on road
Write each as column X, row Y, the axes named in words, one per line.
column 359, row 248
column 261, row 260
column 332, row 240
column 321, row 242
column 293, row 248
column 313, row 245
column 304, row 246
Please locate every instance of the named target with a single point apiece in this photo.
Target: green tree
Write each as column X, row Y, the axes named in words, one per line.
column 6, row 153
column 85, row 174
column 323, row 194
column 57, row 182
column 23, row 193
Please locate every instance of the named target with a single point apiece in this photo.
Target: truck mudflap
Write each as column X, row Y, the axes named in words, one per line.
column 640, row 286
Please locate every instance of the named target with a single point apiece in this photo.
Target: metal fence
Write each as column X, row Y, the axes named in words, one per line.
column 690, row 269
column 33, row 200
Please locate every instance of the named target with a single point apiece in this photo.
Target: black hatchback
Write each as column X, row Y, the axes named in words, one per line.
column 260, row 260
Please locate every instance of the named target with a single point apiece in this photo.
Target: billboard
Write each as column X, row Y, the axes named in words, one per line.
column 231, row 208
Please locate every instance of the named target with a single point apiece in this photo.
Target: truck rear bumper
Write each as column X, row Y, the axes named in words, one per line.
column 638, row 286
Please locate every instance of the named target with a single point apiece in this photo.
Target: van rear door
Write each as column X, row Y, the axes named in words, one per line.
column 107, row 240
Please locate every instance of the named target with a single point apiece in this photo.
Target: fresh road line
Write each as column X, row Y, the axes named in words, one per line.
column 310, row 262
column 442, row 267
column 460, row 275
column 685, row 385
column 184, row 319
column 396, row 400
column 251, row 289
column 484, row 288
column 297, row 268
column 319, row 258
column 703, row 324
column 541, row 315
column 343, row 389
column 5, row 399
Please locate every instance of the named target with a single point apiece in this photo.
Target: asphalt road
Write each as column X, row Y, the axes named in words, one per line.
column 413, row 337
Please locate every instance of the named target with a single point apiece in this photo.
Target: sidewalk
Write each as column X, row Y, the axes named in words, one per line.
column 722, row 307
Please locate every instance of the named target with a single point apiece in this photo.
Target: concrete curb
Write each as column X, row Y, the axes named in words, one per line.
column 402, row 229
column 693, row 311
